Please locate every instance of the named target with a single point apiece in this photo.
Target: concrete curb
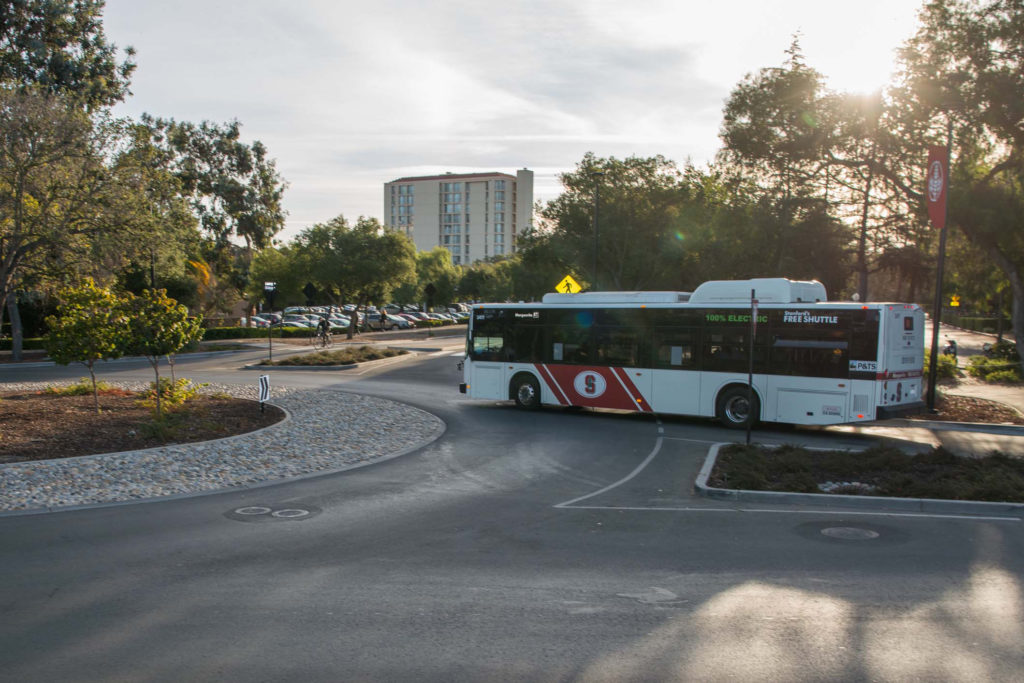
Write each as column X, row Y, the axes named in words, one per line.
column 945, row 426
column 876, row 503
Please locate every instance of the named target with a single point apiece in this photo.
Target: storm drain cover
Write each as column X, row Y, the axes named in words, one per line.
column 272, row 513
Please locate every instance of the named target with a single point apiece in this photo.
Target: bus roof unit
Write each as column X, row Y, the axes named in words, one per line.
column 590, row 298
column 767, row 290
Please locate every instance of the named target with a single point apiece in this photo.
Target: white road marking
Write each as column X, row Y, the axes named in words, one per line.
column 638, row 470
column 571, row 504
column 841, row 513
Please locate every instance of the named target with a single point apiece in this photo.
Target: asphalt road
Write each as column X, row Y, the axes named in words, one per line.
column 553, row 545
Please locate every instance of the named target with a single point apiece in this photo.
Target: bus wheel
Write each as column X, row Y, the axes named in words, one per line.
column 526, row 392
column 734, row 409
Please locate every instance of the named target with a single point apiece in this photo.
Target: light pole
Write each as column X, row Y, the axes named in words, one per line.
column 596, row 175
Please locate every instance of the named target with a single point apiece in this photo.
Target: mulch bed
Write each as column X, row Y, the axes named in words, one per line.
column 38, row 426
column 968, row 409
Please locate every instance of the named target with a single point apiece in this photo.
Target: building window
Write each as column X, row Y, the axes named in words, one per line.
column 499, row 195
column 499, row 184
column 499, row 206
column 499, row 227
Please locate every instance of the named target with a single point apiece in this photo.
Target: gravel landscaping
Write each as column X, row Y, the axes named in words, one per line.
column 325, row 431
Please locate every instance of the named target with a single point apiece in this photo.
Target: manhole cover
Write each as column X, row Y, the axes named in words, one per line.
column 852, row 532
column 849, row 533
column 291, row 513
column 272, row 513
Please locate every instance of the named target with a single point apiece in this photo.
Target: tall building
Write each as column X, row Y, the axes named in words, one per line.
column 472, row 215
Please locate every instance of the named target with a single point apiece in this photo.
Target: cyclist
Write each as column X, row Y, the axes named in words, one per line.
column 323, row 329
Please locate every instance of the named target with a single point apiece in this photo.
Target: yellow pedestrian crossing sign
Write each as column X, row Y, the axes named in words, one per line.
column 568, row 286
column 955, row 301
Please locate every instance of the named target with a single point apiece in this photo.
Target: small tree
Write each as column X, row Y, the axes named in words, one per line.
column 158, row 326
column 90, row 325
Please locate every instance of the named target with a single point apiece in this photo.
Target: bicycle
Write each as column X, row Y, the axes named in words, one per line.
column 321, row 340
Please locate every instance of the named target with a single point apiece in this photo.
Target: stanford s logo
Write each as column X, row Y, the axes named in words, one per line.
column 589, row 384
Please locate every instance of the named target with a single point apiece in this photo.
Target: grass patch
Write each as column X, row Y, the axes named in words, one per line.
column 945, row 369
column 345, row 356
column 83, row 387
column 878, row 471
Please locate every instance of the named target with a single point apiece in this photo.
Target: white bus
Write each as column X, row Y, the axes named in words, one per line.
column 816, row 362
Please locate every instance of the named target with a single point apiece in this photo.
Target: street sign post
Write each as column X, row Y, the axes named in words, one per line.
column 264, row 391
column 270, row 289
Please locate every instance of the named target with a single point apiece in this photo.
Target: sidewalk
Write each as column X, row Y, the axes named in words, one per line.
column 970, row 344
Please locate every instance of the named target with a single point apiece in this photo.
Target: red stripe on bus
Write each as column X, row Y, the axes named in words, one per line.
column 899, row 375
column 614, row 395
column 549, row 379
column 632, row 390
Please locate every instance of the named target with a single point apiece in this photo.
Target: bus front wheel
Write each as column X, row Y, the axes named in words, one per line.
column 526, row 392
column 735, row 409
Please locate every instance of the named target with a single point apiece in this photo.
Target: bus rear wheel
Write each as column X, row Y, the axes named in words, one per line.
column 526, row 392
column 735, row 409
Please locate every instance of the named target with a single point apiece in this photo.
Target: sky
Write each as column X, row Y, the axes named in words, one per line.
column 349, row 95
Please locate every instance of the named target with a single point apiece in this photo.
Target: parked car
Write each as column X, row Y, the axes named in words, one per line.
column 402, row 323
column 295, row 320
column 376, row 321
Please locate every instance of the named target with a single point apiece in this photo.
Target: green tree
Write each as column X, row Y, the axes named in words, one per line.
column 539, row 266
column 489, row 280
column 90, row 325
column 59, row 45
column 964, row 66
column 158, row 326
column 282, row 267
column 234, row 188
column 61, row 197
column 360, row 263
column 638, row 203
column 436, row 277
column 775, row 126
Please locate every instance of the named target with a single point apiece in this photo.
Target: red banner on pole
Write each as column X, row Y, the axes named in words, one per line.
column 938, row 182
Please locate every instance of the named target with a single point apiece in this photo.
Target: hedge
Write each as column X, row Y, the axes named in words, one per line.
column 28, row 344
column 215, row 333
column 978, row 324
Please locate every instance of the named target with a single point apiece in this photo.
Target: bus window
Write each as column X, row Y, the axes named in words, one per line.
column 569, row 344
column 864, row 337
column 488, row 336
column 523, row 344
column 725, row 351
column 674, row 348
column 617, row 346
column 810, row 357
column 487, row 347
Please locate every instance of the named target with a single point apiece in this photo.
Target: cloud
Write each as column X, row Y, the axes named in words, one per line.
column 348, row 95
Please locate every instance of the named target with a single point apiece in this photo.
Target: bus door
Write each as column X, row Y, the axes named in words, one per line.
column 485, row 373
